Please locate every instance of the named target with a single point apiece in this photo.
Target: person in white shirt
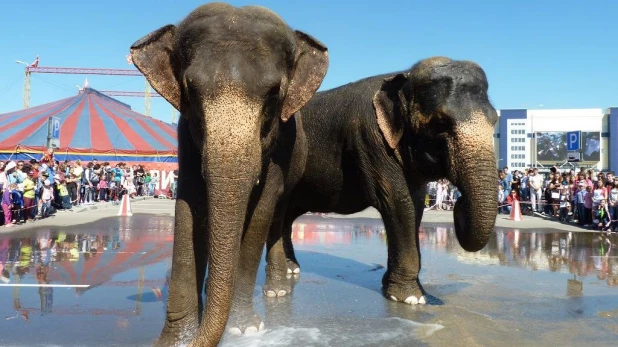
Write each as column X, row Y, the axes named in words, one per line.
column 536, row 184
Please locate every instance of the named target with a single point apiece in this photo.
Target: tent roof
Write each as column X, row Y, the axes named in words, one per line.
column 91, row 123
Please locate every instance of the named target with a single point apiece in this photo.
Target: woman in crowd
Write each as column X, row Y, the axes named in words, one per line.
column 510, row 199
column 599, row 193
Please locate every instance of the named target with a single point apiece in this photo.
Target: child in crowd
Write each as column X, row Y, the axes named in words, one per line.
column 602, row 219
column 63, row 192
column 17, row 201
column 565, row 205
column 588, row 204
column 113, row 191
column 6, row 207
column 102, row 186
column 47, row 196
column 580, row 203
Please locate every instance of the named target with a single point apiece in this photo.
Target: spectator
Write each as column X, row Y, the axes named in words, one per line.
column 580, row 203
column 524, row 187
column 501, row 199
column 17, row 201
column 565, row 204
column 7, row 206
column 153, row 183
column 28, row 195
column 536, row 185
column 63, row 192
column 510, row 199
column 602, row 219
column 599, row 193
column 588, row 205
column 47, row 197
column 612, row 199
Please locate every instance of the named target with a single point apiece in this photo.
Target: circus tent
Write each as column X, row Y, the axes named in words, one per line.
column 93, row 126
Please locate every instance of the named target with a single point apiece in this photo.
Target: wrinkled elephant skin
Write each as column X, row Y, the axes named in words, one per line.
column 238, row 76
column 379, row 141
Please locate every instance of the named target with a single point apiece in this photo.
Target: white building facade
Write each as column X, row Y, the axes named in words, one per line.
column 538, row 138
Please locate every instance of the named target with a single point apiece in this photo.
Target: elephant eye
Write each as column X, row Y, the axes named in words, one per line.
column 442, row 124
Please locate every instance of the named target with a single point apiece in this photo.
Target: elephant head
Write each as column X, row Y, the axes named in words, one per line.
column 438, row 119
column 234, row 74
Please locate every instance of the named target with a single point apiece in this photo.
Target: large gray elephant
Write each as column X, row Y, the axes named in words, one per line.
column 237, row 75
column 377, row 142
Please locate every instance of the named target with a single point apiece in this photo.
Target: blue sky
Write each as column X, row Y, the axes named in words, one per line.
column 561, row 54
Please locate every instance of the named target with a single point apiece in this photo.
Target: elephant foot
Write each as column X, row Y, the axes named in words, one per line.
column 293, row 267
column 411, row 294
column 277, row 288
column 176, row 335
column 245, row 322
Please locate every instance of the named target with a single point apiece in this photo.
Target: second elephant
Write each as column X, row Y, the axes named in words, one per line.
column 378, row 142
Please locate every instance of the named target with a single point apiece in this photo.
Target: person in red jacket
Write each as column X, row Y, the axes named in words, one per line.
column 509, row 200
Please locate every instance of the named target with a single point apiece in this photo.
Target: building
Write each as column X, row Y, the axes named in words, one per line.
column 538, row 138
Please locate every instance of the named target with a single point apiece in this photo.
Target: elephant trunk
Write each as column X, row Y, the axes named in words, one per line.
column 231, row 162
column 474, row 173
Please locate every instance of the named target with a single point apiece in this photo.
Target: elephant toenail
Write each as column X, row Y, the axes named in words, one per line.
column 297, row 270
column 422, row 300
column 251, row 330
column 290, row 271
column 271, row 294
column 393, row 298
column 261, row 327
column 235, row 331
column 281, row 293
column 411, row 300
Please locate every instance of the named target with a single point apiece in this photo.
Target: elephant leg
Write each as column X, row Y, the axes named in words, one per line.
column 184, row 303
column 400, row 282
column 293, row 266
column 244, row 319
column 279, row 275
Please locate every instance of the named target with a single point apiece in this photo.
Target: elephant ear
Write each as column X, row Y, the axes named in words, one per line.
column 152, row 56
column 389, row 109
column 311, row 63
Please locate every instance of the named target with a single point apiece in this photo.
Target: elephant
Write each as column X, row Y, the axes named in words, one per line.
column 377, row 143
column 238, row 76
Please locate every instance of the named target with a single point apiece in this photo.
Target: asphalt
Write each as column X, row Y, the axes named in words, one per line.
column 103, row 283
column 165, row 207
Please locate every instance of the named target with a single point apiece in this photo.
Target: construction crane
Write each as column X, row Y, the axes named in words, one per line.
column 34, row 68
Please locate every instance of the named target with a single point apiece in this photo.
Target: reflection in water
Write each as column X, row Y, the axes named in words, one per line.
column 121, row 263
column 581, row 254
column 83, row 260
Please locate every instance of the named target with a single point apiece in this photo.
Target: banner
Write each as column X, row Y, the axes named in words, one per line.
column 591, row 146
column 551, row 146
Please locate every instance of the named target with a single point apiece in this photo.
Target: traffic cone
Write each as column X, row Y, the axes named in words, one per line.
column 516, row 212
column 125, row 207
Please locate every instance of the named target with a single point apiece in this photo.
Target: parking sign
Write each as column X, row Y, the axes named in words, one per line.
column 573, row 140
column 55, row 127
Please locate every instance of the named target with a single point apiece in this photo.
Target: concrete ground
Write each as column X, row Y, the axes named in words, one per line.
column 106, row 286
column 165, row 207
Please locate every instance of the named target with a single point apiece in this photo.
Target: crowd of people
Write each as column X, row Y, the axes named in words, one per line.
column 584, row 197
column 587, row 198
column 38, row 188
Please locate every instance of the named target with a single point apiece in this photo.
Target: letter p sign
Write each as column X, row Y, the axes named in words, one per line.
column 55, row 128
column 573, row 140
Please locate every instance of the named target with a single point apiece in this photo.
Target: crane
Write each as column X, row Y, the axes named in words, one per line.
column 35, row 68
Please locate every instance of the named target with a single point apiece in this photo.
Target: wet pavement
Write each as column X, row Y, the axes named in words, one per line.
column 104, row 284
